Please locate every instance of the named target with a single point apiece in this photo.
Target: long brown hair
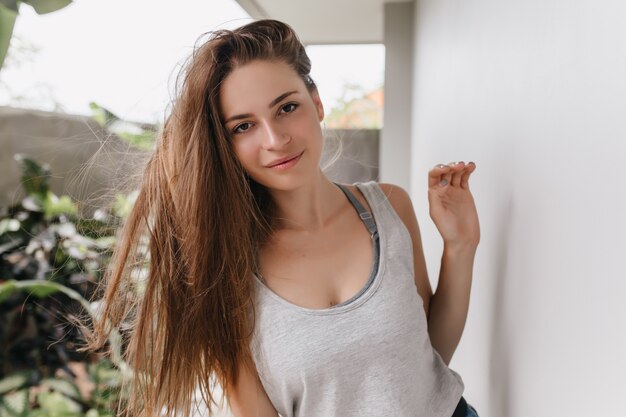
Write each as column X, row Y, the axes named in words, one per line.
column 205, row 220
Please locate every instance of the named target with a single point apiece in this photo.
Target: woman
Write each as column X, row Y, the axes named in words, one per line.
column 301, row 296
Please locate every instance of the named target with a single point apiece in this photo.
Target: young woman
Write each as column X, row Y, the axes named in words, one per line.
column 302, row 297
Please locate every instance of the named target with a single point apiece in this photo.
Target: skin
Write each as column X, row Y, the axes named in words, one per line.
column 305, row 262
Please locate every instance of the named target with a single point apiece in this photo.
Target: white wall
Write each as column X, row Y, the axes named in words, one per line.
column 395, row 139
column 534, row 92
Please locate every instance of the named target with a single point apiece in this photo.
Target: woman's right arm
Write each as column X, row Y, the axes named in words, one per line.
column 247, row 398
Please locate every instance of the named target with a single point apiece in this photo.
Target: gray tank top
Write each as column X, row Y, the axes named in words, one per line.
column 368, row 356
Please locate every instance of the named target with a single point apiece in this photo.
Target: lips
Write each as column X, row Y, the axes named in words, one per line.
column 283, row 160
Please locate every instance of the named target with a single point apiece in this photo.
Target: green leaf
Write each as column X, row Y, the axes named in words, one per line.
column 9, row 225
column 15, row 403
column 55, row 206
column 47, row 6
column 11, row 5
column 7, row 288
column 13, row 382
column 103, row 116
column 8, row 14
column 63, row 386
column 58, row 405
column 40, row 289
column 144, row 140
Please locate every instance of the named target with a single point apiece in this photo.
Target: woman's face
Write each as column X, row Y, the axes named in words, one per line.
column 271, row 116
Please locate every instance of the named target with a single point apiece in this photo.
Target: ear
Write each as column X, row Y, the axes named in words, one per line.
column 318, row 104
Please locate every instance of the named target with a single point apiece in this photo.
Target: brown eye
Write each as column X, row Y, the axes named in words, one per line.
column 288, row 105
column 236, row 129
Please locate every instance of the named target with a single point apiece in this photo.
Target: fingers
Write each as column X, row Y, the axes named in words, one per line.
column 471, row 167
column 436, row 174
column 457, row 174
column 458, row 170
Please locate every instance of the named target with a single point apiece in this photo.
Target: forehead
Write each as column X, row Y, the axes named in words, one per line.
column 251, row 87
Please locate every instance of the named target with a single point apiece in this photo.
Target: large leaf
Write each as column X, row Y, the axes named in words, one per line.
column 47, row 6
column 40, row 289
column 7, row 22
column 14, row 403
column 11, row 5
column 13, row 382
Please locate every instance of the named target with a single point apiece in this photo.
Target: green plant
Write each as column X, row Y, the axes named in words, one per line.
column 51, row 261
column 139, row 135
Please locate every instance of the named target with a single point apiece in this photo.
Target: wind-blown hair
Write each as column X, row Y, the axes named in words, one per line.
column 205, row 220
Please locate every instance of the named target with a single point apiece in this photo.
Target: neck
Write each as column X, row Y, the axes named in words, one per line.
column 310, row 207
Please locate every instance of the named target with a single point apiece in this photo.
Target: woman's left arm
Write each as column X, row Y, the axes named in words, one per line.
column 453, row 211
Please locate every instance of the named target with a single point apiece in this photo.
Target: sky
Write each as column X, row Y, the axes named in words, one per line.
column 125, row 54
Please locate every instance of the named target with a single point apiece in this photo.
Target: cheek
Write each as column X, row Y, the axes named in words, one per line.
column 246, row 152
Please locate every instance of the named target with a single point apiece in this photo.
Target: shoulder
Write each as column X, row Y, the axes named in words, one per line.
column 397, row 196
column 401, row 202
column 399, row 199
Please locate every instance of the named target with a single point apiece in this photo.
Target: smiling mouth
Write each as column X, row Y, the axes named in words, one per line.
column 287, row 163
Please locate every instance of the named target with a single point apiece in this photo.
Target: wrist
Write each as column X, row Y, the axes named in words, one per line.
column 459, row 249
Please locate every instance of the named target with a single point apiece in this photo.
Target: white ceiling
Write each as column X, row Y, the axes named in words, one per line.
column 323, row 22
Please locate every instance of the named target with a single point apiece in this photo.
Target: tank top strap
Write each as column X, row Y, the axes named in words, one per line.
column 365, row 215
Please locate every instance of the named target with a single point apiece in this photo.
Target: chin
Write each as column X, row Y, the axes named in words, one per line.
column 282, row 184
column 285, row 182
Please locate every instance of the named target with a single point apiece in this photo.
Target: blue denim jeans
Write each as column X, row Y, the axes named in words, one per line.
column 471, row 411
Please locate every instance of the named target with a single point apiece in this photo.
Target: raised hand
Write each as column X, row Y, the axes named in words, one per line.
column 451, row 204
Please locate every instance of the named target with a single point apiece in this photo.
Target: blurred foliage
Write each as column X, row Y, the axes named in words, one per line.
column 357, row 108
column 51, row 262
column 140, row 135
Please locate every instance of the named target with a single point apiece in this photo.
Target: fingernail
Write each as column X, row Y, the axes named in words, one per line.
column 443, row 182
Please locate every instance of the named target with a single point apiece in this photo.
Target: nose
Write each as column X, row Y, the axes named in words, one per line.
column 274, row 137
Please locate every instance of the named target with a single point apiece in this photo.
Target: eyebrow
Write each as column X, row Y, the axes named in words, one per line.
column 272, row 104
